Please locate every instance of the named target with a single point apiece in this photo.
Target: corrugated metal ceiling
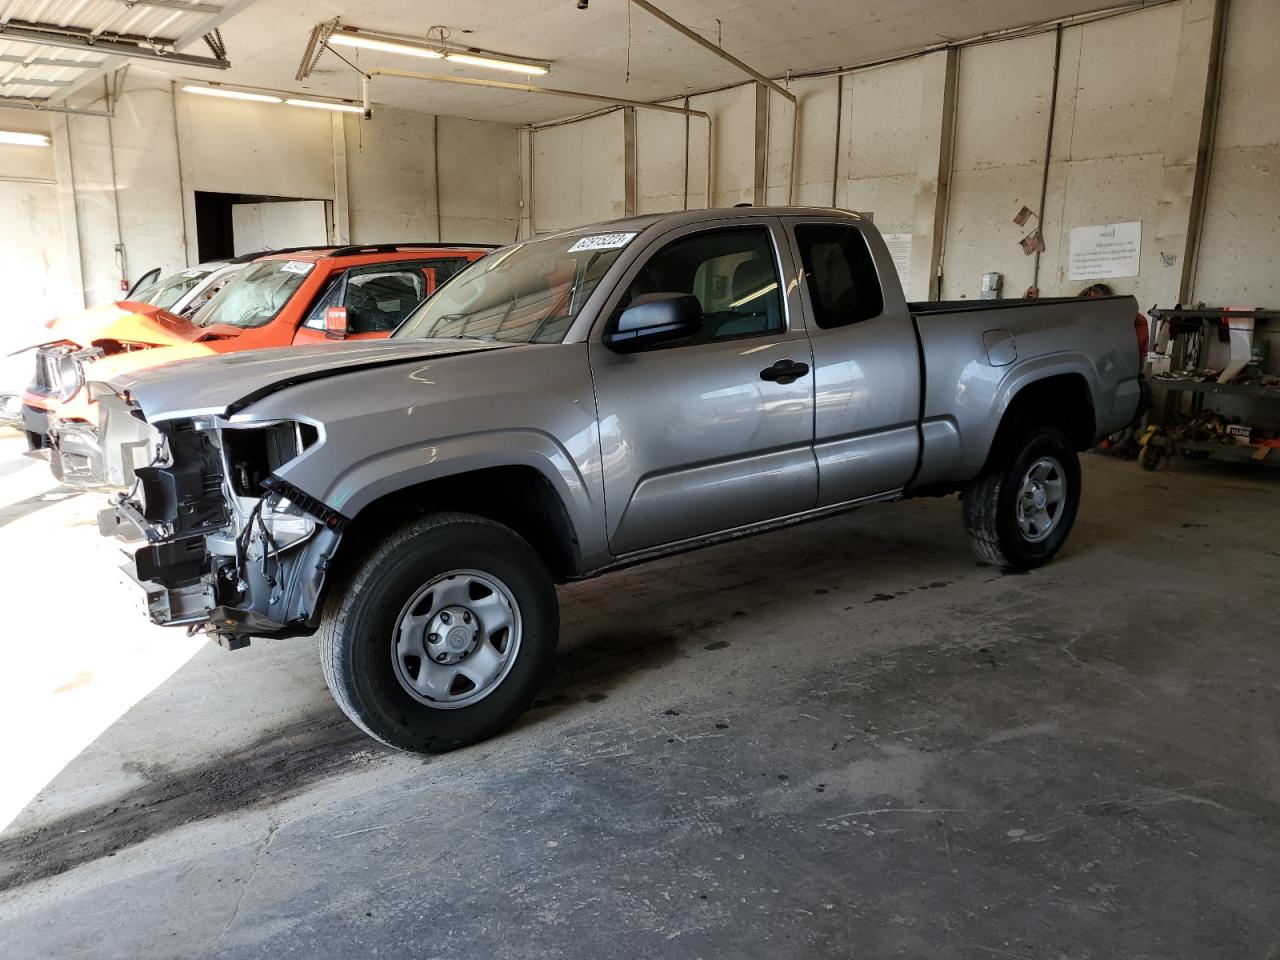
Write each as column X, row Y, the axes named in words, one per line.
column 40, row 71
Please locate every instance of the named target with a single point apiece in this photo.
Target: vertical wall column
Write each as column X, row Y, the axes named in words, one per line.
column 630, row 164
column 1189, row 139
column 66, row 187
column 525, row 142
column 341, row 208
column 761, row 144
column 933, row 171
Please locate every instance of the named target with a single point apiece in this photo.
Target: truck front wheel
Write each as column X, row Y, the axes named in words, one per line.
column 443, row 636
column 1019, row 510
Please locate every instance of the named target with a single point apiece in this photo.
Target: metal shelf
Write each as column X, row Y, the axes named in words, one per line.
column 1233, row 452
column 1191, row 385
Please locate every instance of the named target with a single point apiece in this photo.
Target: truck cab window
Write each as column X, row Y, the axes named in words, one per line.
column 732, row 273
column 842, row 280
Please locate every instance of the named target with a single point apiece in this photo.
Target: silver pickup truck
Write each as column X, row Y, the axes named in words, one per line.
column 578, row 403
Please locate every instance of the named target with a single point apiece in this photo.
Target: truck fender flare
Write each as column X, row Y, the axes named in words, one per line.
column 1023, row 374
column 398, row 469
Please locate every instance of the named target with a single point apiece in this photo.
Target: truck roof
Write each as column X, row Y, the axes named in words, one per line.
column 425, row 249
column 677, row 218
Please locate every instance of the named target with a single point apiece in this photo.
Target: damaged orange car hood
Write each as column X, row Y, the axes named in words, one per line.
column 125, row 321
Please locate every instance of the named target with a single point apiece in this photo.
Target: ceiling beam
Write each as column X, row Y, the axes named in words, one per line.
column 30, row 61
column 116, row 45
column 193, row 7
column 706, row 44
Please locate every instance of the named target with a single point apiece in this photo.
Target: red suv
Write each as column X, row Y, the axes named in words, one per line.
column 288, row 297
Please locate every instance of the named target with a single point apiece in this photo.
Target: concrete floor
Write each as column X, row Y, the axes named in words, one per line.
column 846, row 739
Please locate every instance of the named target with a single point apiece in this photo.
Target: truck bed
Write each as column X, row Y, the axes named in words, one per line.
column 977, row 354
column 923, row 307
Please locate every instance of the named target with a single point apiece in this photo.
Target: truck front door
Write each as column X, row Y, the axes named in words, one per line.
column 702, row 434
column 866, row 361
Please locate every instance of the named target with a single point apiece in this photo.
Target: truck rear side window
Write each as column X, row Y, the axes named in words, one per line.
column 843, row 285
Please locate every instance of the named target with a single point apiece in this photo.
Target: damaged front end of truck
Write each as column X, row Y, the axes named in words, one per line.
column 229, row 548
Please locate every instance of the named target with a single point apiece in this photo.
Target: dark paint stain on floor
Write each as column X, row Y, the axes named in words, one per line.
column 277, row 766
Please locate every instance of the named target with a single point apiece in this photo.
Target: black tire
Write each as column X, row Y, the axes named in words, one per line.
column 991, row 501
column 359, row 622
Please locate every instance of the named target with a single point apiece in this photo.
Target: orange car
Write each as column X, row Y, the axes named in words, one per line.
column 297, row 296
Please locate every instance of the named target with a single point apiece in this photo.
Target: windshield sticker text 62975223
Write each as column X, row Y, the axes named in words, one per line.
column 602, row 241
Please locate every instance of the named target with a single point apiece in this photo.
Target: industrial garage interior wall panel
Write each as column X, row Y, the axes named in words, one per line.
column 1239, row 262
column 129, row 161
column 266, row 149
column 34, row 268
column 733, row 122
column 1115, row 97
column 660, row 161
column 578, row 173
column 880, row 142
column 479, row 164
column 1002, row 118
column 391, row 176
column 817, row 98
column 279, row 223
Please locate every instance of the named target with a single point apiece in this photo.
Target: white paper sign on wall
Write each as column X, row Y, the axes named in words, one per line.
column 899, row 245
column 1107, row 250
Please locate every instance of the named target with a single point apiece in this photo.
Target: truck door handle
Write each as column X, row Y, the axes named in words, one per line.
column 784, row 371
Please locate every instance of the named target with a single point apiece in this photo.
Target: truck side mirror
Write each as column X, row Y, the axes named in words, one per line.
column 335, row 323
column 655, row 318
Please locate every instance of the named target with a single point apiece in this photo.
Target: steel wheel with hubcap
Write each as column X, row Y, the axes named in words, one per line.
column 456, row 638
column 442, row 635
column 1040, row 499
column 1019, row 510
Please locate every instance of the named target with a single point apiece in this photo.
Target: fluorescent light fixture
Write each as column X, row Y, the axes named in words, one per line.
column 342, row 38
column 324, row 105
column 514, row 66
column 368, row 41
column 232, row 94
column 17, row 138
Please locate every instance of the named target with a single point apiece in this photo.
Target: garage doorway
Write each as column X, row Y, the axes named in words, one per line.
column 230, row 224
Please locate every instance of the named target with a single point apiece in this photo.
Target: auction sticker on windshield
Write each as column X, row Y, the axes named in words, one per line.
column 298, row 266
column 602, row 241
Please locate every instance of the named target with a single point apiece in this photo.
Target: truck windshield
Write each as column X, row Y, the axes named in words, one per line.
column 529, row 293
column 257, row 295
column 168, row 290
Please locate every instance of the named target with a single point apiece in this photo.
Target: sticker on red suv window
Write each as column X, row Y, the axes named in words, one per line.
column 602, row 241
column 297, row 266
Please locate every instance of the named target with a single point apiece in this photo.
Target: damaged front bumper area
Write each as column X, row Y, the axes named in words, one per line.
column 230, row 548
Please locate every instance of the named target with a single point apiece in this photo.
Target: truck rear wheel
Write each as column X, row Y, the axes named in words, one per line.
column 1020, row 509
column 443, row 636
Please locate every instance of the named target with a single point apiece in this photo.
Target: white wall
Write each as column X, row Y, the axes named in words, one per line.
column 1115, row 100
column 380, row 176
column 879, row 136
column 1240, row 257
column 34, row 271
column 124, row 177
column 998, row 162
column 578, row 174
column 391, row 176
column 1126, row 129
column 236, row 146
